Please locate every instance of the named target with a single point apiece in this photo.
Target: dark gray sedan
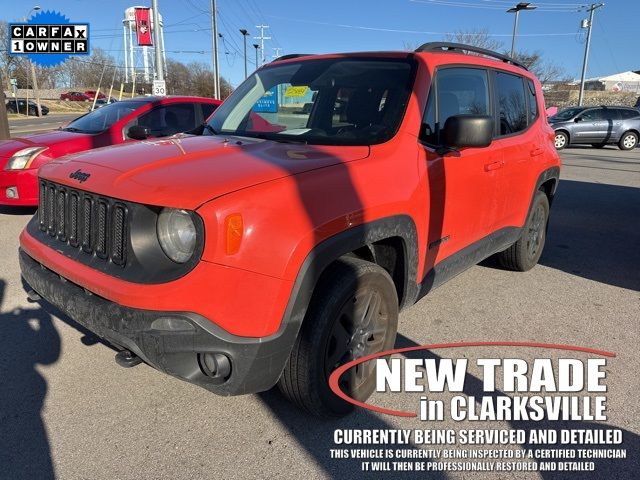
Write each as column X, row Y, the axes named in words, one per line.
column 597, row 126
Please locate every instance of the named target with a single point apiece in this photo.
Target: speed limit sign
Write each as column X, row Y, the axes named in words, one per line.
column 159, row 88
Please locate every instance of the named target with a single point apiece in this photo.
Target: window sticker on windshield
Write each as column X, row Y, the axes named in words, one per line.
column 299, row 91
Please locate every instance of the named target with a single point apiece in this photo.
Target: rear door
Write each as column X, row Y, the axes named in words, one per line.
column 461, row 185
column 519, row 144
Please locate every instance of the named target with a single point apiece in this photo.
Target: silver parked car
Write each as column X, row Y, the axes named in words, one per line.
column 597, row 126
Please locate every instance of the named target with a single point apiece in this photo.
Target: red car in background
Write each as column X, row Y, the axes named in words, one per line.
column 75, row 97
column 135, row 119
column 92, row 93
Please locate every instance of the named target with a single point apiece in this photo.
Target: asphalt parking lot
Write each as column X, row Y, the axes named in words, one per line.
column 66, row 408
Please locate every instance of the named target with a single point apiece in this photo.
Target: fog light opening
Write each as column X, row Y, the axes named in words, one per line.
column 215, row 365
column 12, row 192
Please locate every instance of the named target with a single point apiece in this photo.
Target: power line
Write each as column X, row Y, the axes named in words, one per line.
column 454, row 3
column 417, row 32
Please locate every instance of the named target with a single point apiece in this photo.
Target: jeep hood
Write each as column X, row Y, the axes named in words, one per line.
column 186, row 171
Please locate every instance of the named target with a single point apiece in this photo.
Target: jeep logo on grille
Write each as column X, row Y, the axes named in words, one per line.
column 80, row 175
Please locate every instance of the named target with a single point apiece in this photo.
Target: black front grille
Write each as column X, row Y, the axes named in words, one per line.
column 91, row 223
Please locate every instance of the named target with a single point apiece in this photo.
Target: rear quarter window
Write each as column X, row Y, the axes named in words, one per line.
column 628, row 113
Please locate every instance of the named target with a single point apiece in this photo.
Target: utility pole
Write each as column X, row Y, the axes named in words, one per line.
column 4, row 121
column 592, row 8
column 214, row 40
column 34, row 81
column 244, row 37
column 256, row 46
column 156, row 41
column 262, row 38
column 516, row 10
column 35, row 88
column 276, row 52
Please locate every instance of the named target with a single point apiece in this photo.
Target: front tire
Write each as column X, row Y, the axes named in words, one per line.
column 525, row 253
column 561, row 140
column 353, row 313
column 628, row 141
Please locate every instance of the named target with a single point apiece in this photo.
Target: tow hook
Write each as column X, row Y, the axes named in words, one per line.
column 127, row 359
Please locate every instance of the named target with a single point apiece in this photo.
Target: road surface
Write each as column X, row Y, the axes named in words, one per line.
column 67, row 408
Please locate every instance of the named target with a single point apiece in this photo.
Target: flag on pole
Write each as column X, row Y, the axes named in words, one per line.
column 143, row 27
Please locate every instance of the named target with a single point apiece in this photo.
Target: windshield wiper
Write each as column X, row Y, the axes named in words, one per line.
column 72, row 129
column 275, row 138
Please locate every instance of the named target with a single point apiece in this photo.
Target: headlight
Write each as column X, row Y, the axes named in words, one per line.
column 23, row 158
column 177, row 234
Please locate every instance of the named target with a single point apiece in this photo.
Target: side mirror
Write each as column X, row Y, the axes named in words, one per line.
column 138, row 132
column 467, row 131
column 577, row 119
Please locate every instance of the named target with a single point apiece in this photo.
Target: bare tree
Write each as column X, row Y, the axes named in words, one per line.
column 477, row 37
column 545, row 70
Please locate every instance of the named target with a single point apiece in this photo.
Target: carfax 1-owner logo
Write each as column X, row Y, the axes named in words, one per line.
column 48, row 38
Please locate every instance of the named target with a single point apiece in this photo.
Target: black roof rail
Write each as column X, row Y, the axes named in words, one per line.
column 448, row 46
column 291, row 55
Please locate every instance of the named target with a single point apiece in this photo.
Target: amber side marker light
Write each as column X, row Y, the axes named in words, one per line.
column 234, row 230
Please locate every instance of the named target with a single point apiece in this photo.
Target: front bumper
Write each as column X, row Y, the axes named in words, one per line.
column 26, row 183
column 175, row 346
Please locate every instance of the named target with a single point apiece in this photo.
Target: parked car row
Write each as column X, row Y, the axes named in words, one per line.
column 134, row 119
column 597, row 126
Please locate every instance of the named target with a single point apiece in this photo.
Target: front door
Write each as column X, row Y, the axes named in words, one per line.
column 590, row 127
column 461, row 186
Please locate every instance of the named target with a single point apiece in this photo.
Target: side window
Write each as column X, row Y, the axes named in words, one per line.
column 592, row 115
column 533, row 101
column 511, row 100
column 611, row 113
column 461, row 91
column 169, row 119
column 207, row 110
column 628, row 113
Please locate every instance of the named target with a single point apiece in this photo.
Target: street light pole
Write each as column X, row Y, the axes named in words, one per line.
column 516, row 10
column 244, row 37
column 592, row 9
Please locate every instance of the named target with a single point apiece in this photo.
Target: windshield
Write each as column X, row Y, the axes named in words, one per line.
column 567, row 114
column 102, row 119
column 342, row 101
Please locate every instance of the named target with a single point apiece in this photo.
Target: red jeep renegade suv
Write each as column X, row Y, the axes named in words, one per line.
column 282, row 241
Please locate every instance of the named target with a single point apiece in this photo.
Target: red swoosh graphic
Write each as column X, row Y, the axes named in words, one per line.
column 337, row 373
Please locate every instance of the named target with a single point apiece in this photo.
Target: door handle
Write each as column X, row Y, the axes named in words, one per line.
column 536, row 151
column 493, row 166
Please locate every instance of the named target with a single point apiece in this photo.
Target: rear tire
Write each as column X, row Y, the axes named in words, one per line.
column 353, row 313
column 561, row 140
column 525, row 253
column 628, row 141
